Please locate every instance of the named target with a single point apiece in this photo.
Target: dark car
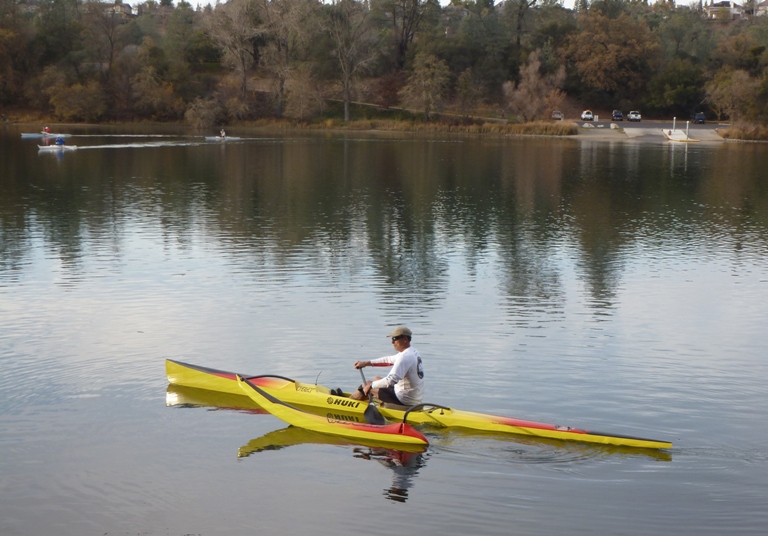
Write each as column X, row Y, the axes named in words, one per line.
column 617, row 116
column 698, row 117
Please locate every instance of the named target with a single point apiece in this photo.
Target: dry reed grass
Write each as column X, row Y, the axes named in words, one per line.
column 745, row 132
column 446, row 126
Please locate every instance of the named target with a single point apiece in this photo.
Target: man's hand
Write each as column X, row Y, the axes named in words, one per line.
column 362, row 364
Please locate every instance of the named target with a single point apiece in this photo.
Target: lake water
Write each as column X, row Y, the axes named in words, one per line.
column 614, row 286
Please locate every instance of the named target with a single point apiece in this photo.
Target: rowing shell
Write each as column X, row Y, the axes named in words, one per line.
column 53, row 148
column 386, row 434
column 44, row 135
column 318, row 396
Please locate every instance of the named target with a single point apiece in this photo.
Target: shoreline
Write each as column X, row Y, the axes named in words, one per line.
column 647, row 134
column 636, row 134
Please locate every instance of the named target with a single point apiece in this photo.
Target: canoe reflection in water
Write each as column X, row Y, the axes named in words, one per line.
column 405, row 461
column 189, row 397
column 405, row 464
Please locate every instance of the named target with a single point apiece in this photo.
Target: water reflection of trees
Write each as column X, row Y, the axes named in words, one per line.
column 395, row 214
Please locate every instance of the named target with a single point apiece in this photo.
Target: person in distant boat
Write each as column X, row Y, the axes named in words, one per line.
column 47, row 130
column 222, row 133
column 404, row 384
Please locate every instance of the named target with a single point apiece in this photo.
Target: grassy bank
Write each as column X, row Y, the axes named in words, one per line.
column 441, row 126
column 370, row 117
column 745, row 132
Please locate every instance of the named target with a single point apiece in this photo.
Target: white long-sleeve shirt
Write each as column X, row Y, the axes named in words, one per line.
column 406, row 374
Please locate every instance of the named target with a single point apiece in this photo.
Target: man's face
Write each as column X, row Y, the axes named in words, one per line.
column 400, row 343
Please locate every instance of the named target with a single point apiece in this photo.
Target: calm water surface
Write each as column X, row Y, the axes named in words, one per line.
column 619, row 287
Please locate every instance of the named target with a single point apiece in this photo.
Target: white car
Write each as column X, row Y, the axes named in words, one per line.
column 634, row 116
column 586, row 115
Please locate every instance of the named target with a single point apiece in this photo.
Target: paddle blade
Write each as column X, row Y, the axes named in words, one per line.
column 372, row 415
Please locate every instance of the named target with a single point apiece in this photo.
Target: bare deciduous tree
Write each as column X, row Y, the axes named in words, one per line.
column 428, row 83
column 349, row 24
column 733, row 93
column 232, row 27
column 203, row 113
column 304, row 97
column 103, row 32
column 286, row 27
column 535, row 95
column 518, row 9
column 405, row 17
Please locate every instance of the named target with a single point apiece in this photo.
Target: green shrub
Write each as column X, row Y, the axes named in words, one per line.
column 79, row 103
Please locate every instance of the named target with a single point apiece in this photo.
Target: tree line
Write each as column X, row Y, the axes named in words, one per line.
column 249, row 59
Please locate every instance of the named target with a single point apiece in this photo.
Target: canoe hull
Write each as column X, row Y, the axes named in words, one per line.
column 318, row 396
column 44, row 135
column 55, row 148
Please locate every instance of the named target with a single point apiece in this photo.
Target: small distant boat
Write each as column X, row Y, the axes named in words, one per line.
column 221, row 138
column 55, row 135
column 44, row 135
column 56, row 148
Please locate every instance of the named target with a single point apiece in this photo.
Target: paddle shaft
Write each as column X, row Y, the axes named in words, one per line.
column 371, row 414
column 363, row 377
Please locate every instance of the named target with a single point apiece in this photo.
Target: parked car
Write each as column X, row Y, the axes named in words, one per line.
column 634, row 116
column 586, row 115
column 617, row 116
column 557, row 115
column 698, row 117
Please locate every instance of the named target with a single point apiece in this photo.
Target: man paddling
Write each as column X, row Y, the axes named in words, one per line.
column 404, row 384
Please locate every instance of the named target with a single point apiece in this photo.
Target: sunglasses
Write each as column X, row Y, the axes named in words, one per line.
column 398, row 337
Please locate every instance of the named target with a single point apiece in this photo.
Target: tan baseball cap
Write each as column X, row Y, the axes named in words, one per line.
column 401, row 330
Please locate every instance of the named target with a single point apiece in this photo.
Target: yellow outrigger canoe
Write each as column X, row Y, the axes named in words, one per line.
column 317, row 396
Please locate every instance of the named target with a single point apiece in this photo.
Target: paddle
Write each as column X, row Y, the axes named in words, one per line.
column 371, row 414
